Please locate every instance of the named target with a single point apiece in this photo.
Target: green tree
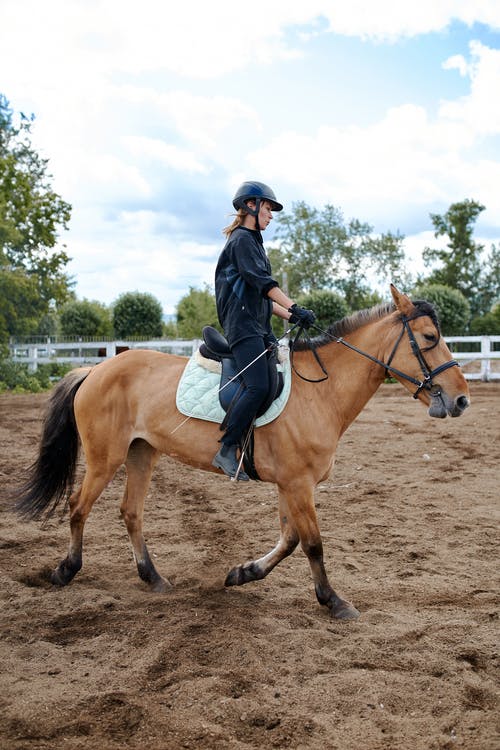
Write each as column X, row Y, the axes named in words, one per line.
column 453, row 309
column 31, row 215
column 328, row 306
column 195, row 310
column 317, row 250
column 489, row 282
column 86, row 318
column 20, row 304
column 358, row 293
column 48, row 325
column 309, row 249
column 137, row 314
column 170, row 330
column 462, row 266
column 488, row 324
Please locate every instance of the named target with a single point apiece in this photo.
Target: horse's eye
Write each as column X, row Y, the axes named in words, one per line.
column 430, row 337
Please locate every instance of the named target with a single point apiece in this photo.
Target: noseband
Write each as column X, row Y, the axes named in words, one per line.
column 428, row 374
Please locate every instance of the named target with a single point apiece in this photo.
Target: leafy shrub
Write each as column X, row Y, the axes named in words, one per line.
column 86, row 318
column 328, row 306
column 137, row 314
column 487, row 325
column 452, row 308
column 15, row 377
column 195, row 310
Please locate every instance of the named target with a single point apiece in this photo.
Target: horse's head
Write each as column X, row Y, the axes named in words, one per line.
column 421, row 361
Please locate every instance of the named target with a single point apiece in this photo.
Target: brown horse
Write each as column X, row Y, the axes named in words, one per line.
column 124, row 412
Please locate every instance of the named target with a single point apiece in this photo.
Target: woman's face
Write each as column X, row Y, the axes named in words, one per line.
column 265, row 214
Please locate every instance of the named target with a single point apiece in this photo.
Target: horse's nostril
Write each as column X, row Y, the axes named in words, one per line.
column 462, row 402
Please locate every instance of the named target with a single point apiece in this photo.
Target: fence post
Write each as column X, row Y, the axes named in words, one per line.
column 485, row 362
column 32, row 357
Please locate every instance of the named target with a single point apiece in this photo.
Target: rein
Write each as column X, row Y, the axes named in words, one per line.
column 310, row 343
column 427, row 373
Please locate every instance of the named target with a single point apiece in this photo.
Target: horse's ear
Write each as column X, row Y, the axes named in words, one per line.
column 402, row 301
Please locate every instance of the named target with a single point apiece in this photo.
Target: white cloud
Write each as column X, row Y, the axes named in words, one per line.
column 167, row 154
column 199, row 119
column 72, row 42
column 78, row 39
column 414, row 245
column 138, row 250
column 457, row 62
column 403, row 158
column 408, row 157
column 130, row 96
column 124, row 137
column 393, row 19
column 480, row 109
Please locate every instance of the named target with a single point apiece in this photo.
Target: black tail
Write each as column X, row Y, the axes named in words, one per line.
column 51, row 477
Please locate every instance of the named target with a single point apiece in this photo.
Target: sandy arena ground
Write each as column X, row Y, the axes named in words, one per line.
column 410, row 535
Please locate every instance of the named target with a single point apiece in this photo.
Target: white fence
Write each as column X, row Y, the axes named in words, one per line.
column 77, row 353
column 482, row 362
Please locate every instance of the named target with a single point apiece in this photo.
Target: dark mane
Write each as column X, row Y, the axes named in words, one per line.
column 358, row 319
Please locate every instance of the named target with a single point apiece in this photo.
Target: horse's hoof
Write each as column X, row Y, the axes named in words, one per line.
column 234, row 577
column 66, row 571
column 57, row 578
column 250, row 571
column 161, row 586
column 344, row 611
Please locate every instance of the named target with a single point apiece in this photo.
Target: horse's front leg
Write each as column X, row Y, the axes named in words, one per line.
column 254, row 570
column 300, row 497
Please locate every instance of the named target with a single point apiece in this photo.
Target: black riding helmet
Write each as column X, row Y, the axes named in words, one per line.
column 259, row 192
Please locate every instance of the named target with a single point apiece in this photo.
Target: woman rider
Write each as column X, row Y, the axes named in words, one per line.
column 246, row 296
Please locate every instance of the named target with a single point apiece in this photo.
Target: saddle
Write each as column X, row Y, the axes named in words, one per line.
column 216, row 347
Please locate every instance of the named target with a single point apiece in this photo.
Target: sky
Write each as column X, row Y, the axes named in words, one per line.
column 152, row 113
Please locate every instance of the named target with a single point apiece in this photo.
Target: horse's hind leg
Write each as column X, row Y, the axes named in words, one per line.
column 80, row 504
column 257, row 569
column 140, row 462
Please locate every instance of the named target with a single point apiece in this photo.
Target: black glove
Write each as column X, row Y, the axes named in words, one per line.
column 300, row 315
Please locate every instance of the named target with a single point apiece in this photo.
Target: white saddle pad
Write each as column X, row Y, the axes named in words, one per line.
column 198, row 391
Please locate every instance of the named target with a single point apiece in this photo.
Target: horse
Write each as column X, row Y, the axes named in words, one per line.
column 123, row 412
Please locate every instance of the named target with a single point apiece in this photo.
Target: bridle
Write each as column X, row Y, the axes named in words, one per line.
column 427, row 380
column 428, row 374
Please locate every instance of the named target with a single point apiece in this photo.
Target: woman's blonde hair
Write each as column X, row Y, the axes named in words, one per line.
column 237, row 222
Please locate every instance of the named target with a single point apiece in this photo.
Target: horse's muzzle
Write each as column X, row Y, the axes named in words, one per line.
column 461, row 404
column 441, row 405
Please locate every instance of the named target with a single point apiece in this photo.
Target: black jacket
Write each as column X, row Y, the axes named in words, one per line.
column 242, row 282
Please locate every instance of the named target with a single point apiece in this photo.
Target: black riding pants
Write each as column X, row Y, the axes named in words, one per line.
column 256, row 379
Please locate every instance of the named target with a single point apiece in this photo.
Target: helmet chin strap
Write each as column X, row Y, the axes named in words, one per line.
column 255, row 212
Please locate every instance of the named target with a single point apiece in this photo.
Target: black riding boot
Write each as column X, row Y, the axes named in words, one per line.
column 226, row 460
